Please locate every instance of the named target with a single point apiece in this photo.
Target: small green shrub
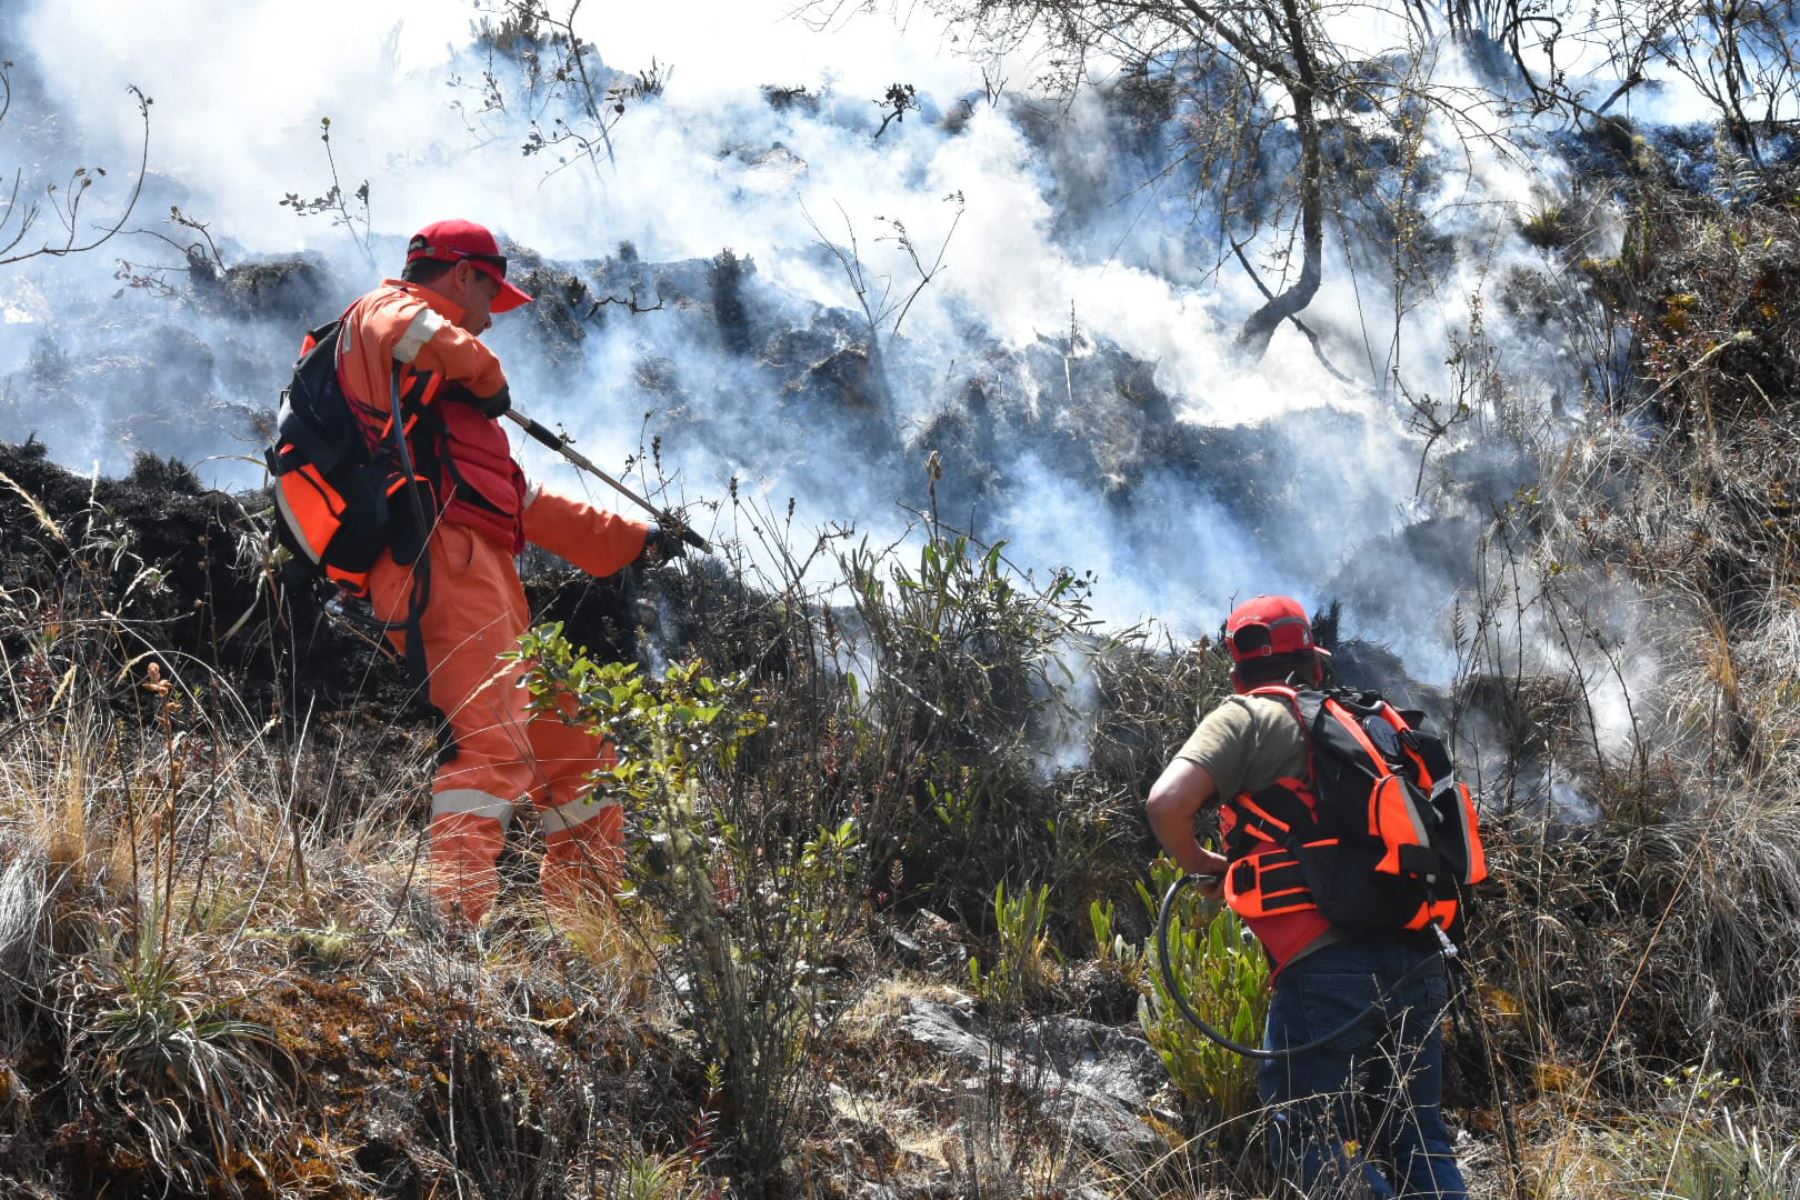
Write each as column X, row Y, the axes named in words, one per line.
column 643, row 1176
column 754, row 887
column 1712, row 1151
column 1226, row 979
column 969, row 664
column 1110, row 947
column 1548, row 225
column 1022, row 972
column 196, row 1085
column 1733, row 1159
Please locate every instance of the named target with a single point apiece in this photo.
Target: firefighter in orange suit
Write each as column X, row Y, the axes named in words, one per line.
column 420, row 335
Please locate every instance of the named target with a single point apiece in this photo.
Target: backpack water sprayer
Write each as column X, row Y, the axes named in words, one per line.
column 1378, row 837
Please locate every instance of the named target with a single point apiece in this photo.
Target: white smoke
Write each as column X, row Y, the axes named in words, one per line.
column 1063, row 235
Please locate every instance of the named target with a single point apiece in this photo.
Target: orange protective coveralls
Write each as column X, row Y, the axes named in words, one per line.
column 476, row 611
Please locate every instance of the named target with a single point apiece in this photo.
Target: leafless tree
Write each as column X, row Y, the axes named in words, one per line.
column 1271, row 93
column 20, row 213
column 884, row 301
column 350, row 211
column 1739, row 55
column 571, row 101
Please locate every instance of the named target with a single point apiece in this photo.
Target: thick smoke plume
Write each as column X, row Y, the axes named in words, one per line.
column 1042, row 305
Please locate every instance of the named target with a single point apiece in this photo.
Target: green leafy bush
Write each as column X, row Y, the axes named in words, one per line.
column 969, row 665
column 753, row 892
column 1022, row 972
column 1226, row 978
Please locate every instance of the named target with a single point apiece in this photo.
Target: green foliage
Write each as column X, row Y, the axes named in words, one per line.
column 665, row 737
column 1689, row 497
column 1736, row 1162
column 1109, row 947
column 972, row 661
column 331, row 946
column 1710, row 1153
column 966, row 646
column 1726, row 1145
column 1547, row 225
column 1702, row 1086
column 1226, row 979
column 194, row 1082
column 955, row 809
column 1022, row 972
column 655, row 1177
column 752, row 891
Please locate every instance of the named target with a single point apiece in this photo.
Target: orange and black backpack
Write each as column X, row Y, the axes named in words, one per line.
column 1379, row 836
column 341, row 495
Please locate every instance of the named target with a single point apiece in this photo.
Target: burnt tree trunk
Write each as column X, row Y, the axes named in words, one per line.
column 1302, row 82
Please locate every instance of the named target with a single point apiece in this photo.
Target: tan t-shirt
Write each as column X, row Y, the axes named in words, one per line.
column 1247, row 743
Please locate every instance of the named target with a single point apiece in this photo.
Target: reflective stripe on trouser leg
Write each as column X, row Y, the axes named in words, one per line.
column 472, row 802
column 468, row 831
column 475, row 616
column 584, row 856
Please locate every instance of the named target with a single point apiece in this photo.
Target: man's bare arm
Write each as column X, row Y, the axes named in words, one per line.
column 1176, row 798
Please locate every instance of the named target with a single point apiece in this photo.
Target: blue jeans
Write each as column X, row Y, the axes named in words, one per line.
column 1360, row 1115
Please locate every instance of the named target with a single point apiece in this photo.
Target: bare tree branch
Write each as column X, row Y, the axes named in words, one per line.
column 68, row 206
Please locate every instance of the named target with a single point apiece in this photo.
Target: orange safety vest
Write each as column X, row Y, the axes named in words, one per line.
column 342, row 495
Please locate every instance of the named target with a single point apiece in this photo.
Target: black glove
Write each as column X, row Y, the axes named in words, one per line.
column 492, row 407
column 661, row 544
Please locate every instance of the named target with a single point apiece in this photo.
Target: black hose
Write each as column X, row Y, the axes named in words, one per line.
column 420, row 593
column 1256, row 1052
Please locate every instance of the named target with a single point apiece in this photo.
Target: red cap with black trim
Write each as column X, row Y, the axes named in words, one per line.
column 1269, row 625
column 455, row 241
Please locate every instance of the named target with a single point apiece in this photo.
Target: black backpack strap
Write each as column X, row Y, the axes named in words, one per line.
column 416, row 665
column 1309, row 706
column 319, row 434
column 421, row 580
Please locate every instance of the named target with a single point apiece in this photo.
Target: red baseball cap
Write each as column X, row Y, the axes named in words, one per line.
column 455, row 241
column 1269, row 625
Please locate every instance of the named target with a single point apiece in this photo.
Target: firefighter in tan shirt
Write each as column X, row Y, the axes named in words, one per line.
column 1322, row 976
